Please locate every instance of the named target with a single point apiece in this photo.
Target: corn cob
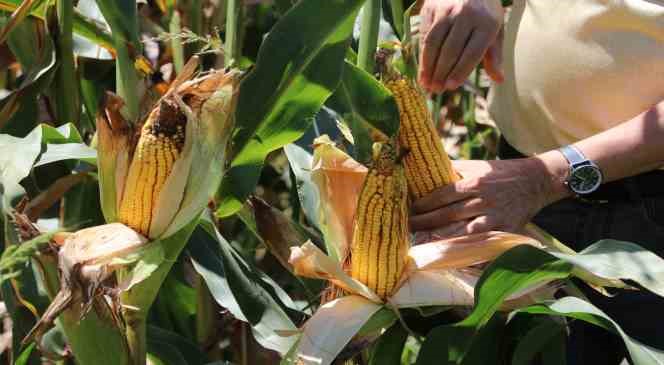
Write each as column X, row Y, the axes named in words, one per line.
column 380, row 242
column 160, row 142
column 427, row 165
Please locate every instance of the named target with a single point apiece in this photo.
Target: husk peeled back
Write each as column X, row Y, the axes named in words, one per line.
column 86, row 259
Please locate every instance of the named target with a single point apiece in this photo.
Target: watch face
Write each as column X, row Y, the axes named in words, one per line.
column 585, row 179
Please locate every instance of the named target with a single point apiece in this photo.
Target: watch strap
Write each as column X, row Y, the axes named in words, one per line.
column 573, row 155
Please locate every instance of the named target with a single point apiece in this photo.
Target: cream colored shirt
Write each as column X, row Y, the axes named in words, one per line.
column 574, row 68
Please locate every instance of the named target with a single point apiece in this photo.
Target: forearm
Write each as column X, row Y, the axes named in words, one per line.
column 627, row 149
column 506, row 194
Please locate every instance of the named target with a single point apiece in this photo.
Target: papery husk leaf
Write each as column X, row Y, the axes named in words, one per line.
column 276, row 230
column 113, row 135
column 452, row 287
column 87, row 258
column 332, row 326
column 560, row 250
column 309, row 261
column 147, row 261
column 170, row 196
column 217, row 96
column 436, row 287
column 547, row 240
column 339, row 180
column 460, row 252
column 101, row 244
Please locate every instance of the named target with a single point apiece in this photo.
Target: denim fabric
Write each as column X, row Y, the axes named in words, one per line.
column 579, row 224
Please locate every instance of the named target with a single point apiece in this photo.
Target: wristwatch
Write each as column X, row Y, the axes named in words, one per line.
column 584, row 175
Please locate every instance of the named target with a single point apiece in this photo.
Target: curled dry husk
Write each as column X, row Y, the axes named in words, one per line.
column 204, row 107
column 339, row 181
column 86, row 260
column 440, row 272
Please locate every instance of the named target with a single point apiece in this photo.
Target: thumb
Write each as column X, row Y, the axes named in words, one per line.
column 493, row 59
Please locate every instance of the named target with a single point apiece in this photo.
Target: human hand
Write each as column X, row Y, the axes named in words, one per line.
column 492, row 195
column 456, row 35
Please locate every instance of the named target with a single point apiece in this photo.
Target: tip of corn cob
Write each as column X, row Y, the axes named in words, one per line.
column 379, row 250
column 160, row 144
column 427, row 165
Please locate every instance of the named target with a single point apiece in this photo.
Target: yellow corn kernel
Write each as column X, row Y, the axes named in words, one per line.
column 159, row 145
column 380, row 235
column 427, row 165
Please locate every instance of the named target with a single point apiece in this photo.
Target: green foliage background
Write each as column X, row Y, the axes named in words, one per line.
column 229, row 293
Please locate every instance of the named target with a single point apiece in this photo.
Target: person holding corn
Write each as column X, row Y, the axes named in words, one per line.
column 579, row 101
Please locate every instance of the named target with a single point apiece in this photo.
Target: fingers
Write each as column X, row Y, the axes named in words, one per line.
column 475, row 225
column 493, row 59
column 472, row 54
column 443, row 196
column 479, row 225
column 466, row 227
column 433, row 37
column 456, row 36
column 427, row 15
column 449, row 231
column 450, row 53
column 451, row 213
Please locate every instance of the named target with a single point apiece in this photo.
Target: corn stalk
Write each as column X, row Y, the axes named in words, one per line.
column 154, row 189
column 67, row 105
column 371, row 14
column 233, row 21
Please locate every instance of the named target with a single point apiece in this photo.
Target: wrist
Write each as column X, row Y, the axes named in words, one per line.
column 551, row 171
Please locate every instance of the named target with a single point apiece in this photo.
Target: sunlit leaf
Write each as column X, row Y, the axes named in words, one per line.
column 301, row 162
column 517, row 269
column 298, row 67
column 17, row 155
column 611, row 259
column 235, row 287
column 573, row 307
column 35, row 51
column 90, row 28
column 361, row 96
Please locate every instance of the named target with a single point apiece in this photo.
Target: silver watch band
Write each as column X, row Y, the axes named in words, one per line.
column 573, row 155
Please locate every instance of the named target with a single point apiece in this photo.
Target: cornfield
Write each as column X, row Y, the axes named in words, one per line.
column 229, row 182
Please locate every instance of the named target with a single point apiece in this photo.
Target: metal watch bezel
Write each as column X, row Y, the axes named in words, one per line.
column 574, row 171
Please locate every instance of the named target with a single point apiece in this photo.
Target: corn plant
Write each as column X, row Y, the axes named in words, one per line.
column 169, row 195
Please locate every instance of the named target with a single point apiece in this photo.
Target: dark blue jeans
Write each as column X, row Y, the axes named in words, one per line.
column 579, row 224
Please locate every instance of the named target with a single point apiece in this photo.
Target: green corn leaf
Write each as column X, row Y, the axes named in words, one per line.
column 17, row 155
column 536, row 340
column 620, row 260
column 87, row 27
column 300, row 161
column 363, row 102
column 172, row 348
column 242, row 291
column 389, row 347
column 35, row 51
column 16, row 258
column 576, row 308
column 298, row 68
column 122, row 17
